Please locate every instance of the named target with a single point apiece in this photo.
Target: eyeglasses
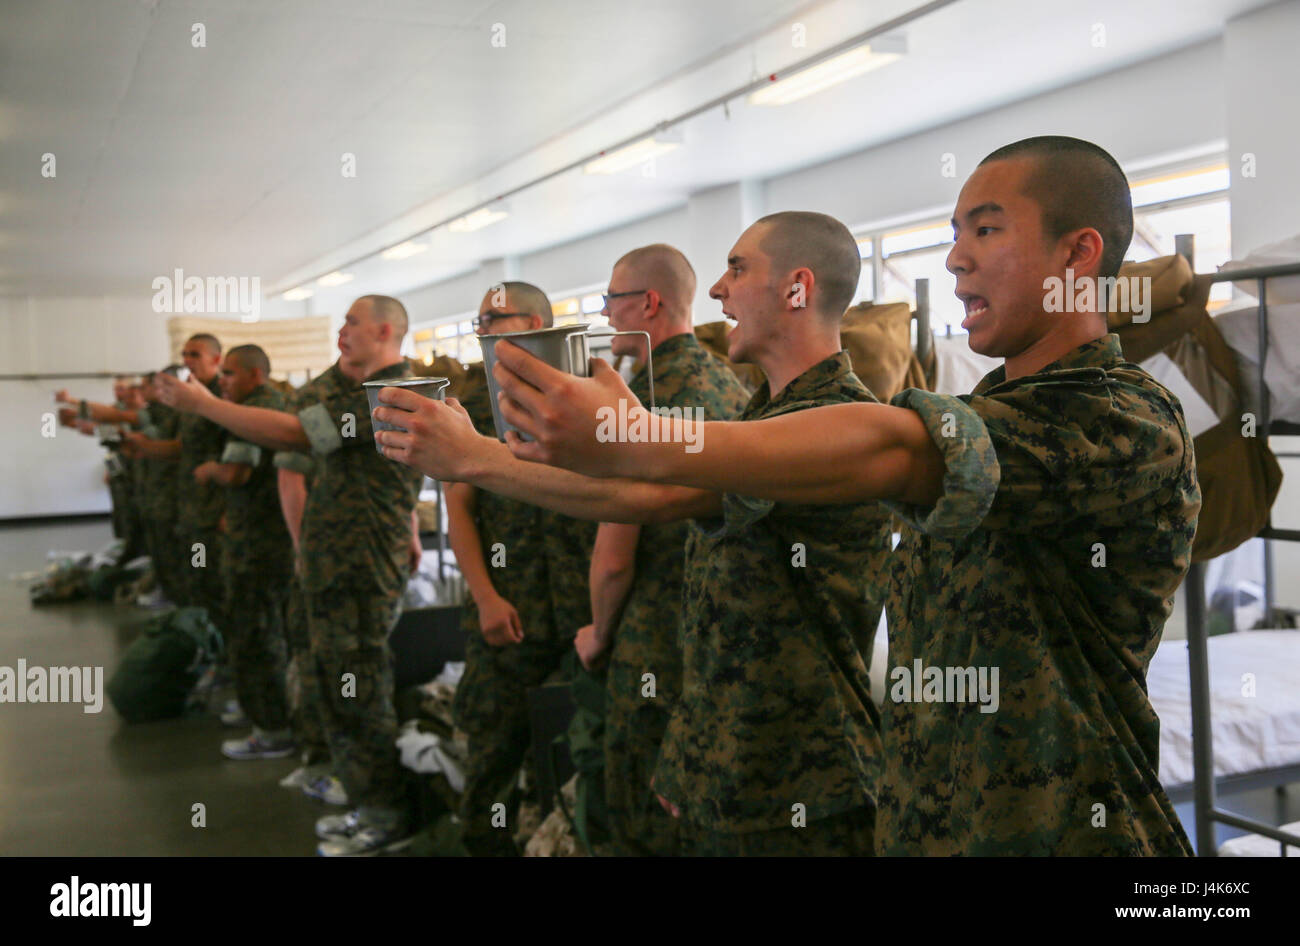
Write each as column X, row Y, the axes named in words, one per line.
column 484, row 321
column 606, row 296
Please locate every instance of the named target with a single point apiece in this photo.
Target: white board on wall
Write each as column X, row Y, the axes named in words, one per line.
column 48, row 476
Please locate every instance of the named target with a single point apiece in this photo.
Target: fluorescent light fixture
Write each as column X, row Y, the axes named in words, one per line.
column 478, row 219
column 335, row 278
column 881, row 51
column 404, row 250
column 296, row 295
column 635, row 154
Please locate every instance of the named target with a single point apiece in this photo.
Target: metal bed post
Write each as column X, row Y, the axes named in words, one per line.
column 1205, row 786
column 1198, row 665
column 922, row 320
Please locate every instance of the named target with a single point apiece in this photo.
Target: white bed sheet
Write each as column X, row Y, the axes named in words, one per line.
column 1250, row 732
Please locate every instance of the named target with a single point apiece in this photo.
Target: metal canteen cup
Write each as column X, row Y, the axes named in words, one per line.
column 434, row 388
column 563, row 348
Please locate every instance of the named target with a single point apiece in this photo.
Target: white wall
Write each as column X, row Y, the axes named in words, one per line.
column 52, row 338
column 1262, row 83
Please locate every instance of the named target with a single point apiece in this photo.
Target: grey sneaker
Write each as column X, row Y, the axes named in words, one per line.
column 338, row 826
column 326, row 788
column 303, row 776
column 257, row 746
column 233, row 715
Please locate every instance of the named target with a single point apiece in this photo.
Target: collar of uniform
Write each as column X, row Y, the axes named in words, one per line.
column 255, row 392
column 803, row 388
column 397, row 369
column 1086, row 364
column 674, row 344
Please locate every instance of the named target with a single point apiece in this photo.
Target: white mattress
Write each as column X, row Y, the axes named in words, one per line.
column 1250, row 732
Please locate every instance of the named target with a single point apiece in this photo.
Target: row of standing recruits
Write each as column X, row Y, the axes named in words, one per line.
column 321, row 537
column 1004, row 495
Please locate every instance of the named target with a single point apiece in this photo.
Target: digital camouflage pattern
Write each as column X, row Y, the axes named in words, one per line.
column 848, row 834
column 255, row 528
column 1088, row 456
column 158, row 505
column 304, row 689
column 349, row 643
column 539, row 562
column 645, row 638
column 356, row 528
column 779, row 612
column 199, row 508
column 257, row 561
column 325, row 385
column 355, row 544
column 304, row 692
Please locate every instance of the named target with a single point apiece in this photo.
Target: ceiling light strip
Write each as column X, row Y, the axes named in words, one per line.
column 717, row 102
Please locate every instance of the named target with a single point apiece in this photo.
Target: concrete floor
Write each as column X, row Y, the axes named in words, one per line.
column 79, row 784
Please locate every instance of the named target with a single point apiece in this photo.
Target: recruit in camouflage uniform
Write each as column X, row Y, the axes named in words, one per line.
column 1065, row 525
column 303, row 685
column 199, row 507
column 120, row 483
column 645, row 638
column 772, row 748
column 539, row 562
column 355, row 543
column 257, row 562
column 158, row 504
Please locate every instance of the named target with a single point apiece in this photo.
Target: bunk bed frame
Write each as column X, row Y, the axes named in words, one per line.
column 1205, row 786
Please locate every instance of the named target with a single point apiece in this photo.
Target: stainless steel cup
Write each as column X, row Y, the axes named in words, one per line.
column 563, row 348
column 435, row 388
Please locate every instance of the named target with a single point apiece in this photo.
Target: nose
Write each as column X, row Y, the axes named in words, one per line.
column 715, row 291
column 957, row 261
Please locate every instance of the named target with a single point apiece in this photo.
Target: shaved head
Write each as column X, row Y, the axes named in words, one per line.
column 527, row 298
column 388, row 310
column 213, row 346
column 665, row 270
column 1078, row 185
column 796, row 239
column 251, row 358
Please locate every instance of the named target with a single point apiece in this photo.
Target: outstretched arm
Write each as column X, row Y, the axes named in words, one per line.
column 441, row 442
column 261, row 425
column 842, row 453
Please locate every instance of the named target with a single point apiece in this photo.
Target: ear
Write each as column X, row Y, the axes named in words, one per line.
column 799, row 294
column 654, row 302
column 1083, row 249
column 534, row 321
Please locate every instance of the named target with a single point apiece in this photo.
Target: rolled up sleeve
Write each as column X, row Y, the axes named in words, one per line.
column 971, row 471
column 319, row 427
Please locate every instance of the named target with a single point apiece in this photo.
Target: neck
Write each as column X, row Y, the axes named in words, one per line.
column 790, row 357
column 366, row 369
column 1051, row 347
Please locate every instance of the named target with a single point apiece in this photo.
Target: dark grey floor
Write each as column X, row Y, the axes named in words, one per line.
column 79, row 784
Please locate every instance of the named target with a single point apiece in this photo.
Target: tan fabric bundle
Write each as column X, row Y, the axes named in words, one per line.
column 1239, row 475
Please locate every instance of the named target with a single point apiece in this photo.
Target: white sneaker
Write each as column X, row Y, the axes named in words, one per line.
column 258, row 745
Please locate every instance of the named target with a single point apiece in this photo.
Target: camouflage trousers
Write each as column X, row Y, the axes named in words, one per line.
column 204, row 587
column 255, row 644
column 349, row 646
column 302, row 682
column 848, row 834
column 635, row 722
column 160, row 540
column 491, row 707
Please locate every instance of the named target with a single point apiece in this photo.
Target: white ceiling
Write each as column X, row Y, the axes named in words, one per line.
column 226, row 160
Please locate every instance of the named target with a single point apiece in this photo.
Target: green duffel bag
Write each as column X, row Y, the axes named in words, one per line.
column 161, row 666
